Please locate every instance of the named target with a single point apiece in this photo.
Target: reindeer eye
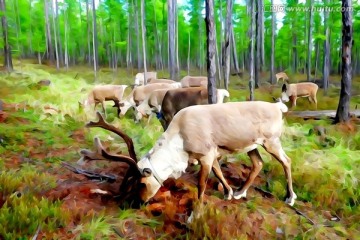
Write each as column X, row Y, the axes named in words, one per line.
column 147, row 172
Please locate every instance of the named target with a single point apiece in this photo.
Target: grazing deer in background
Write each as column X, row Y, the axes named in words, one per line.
column 140, row 78
column 102, row 93
column 281, row 75
column 294, row 90
column 203, row 132
column 194, row 81
column 177, row 99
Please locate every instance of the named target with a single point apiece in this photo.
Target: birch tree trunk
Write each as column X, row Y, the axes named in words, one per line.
column 157, row 42
column 257, row 44
column 88, row 32
column 188, row 58
column 66, row 40
column 55, row 35
column 261, row 32
column 57, row 32
column 7, row 49
column 177, row 38
column 311, row 2
column 129, row 38
column 234, row 52
column 211, row 42
column 343, row 110
column 95, row 40
column 138, row 35
column 272, row 56
column 252, row 53
column 171, row 39
column 317, row 55
column 143, row 38
column 49, row 49
column 226, row 48
column 221, row 37
column 326, row 70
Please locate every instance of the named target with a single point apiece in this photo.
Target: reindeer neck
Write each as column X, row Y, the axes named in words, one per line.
column 167, row 159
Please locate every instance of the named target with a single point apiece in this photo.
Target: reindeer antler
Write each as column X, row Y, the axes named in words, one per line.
column 103, row 124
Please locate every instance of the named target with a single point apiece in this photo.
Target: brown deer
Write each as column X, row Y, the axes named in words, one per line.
column 290, row 92
column 203, row 132
column 281, row 75
column 102, row 93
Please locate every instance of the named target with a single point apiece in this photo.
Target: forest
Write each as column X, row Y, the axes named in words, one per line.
column 71, row 169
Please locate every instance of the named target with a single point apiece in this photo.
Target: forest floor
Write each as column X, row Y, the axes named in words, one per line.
column 43, row 126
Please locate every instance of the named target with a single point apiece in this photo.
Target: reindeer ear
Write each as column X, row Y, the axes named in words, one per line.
column 147, row 172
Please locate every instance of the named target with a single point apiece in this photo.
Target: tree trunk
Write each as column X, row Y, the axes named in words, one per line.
column 137, row 34
column 157, row 42
column 7, row 50
column 164, row 24
column 311, row 2
column 272, row 57
column 226, row 47
column 234, row 52
column 257, row 44
column 143, row 38
column 50, row 49
column 252, row 53
column 55, row 35
column 188, row 59
column 200, row 44
column 326, row 70
column 95, row 40
column 261, row 32
column 342, row 113
column 177, row 38
column 66, row 40
column 88, row 32
column 317, row 56
column 211, row 51
column 218, row 61
column 221, row 38
column 18, row 28
column 61, row 55
column 129, row 39
column 171, row 39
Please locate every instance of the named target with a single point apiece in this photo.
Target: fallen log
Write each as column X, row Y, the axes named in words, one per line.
column 321, row 114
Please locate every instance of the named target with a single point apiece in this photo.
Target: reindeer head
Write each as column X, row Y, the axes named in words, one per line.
column 139, row 184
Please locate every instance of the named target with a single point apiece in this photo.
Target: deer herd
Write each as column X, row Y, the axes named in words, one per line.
column 194, row 131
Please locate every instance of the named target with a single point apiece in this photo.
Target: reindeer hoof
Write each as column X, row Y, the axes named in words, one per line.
column 238, row 195
column 291, row 200
column 229, row 195
column 191, row 218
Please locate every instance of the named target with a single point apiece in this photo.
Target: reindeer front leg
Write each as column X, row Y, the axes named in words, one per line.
column 293, row 101
column 228, row 192
column 274, row 148
column 257, row 166
column 206, row 164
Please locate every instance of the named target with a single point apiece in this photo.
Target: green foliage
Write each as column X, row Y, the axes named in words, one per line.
column 21, row 216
